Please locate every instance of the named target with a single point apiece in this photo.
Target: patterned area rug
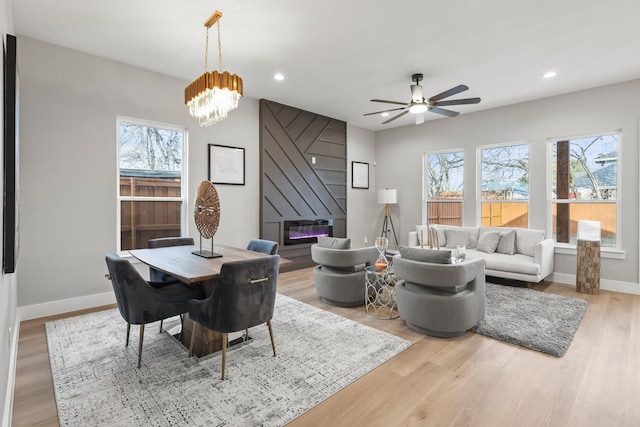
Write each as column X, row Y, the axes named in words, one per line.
column 536, row 320
column 97, row 383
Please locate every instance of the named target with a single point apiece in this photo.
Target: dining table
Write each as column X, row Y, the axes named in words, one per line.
column 183, row 263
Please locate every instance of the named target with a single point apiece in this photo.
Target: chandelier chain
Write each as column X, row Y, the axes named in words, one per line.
column 219, row 48
column 206, row 52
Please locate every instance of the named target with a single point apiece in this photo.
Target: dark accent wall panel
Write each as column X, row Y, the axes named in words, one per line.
column 292, row 186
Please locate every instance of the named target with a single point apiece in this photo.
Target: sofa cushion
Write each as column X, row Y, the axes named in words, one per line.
column 527, row 239
column 334, row 243
column 507, row 242
column 473, row 234
column 426, row 255
column 488, row 242
column 518, row 263
column 455, row 238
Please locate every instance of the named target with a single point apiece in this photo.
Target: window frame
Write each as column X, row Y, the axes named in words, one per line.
column 568, row 248
column 183, row 199
column 480, row 200
column 425, row 182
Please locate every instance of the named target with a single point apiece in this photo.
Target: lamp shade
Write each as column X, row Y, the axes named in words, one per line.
column 589, row 230
column 387, row 196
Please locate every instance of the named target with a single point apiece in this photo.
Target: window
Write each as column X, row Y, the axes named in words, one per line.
column 445, row 184
column 505, row 186
column 584, row 180
column 151, row 187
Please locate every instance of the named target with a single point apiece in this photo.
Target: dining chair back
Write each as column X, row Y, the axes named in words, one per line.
column 244, row 296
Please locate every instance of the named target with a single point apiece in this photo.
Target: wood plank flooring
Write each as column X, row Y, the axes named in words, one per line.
column 466, row 381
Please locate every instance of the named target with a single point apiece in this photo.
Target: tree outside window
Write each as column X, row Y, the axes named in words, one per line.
column 445, row 185
column 584, row 177
column 505, row 185
column 151, row 181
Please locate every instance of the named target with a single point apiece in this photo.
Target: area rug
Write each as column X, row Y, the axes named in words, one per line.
column 536, row 320
column 96, row 381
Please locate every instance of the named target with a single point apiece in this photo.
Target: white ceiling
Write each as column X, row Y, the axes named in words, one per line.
column 336, row 55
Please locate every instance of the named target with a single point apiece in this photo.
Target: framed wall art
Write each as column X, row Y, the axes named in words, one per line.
column 359, row 175
column 226, row 164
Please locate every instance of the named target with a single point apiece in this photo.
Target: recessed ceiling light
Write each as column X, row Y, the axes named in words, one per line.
column 278, row 76
column 384, row 114
column 549, row 74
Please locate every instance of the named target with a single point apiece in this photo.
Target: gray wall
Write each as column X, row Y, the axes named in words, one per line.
column 399, row 153
column 69, row 103
column 8, row 294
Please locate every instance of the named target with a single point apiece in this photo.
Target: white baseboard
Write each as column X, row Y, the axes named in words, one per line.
column 11, row 377
column 609, row 285
column 51, row 308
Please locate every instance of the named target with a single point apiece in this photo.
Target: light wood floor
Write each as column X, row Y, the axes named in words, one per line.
column 467, row 381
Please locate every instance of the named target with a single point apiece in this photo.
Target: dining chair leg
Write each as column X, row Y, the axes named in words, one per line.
column 193, row 338
column 246, row 335
column 181, row 328
column 273, row 344
column 161, row 325
column 225, row 340
column 140, row 346
column 128, row 330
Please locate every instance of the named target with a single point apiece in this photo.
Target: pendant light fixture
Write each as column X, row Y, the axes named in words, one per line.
column 215, row 93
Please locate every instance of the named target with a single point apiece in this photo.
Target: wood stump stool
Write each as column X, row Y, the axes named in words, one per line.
column 588, row 267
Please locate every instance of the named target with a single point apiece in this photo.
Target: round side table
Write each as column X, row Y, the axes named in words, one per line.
column 380, row 294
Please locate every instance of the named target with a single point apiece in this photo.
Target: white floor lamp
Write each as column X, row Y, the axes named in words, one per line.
column 388, row 197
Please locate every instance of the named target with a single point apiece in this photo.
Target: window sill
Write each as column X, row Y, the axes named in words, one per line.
column 612, row 253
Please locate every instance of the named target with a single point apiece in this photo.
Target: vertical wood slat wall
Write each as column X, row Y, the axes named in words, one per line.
column 303, row 174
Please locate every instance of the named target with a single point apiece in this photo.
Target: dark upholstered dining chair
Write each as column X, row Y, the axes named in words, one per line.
column 140, row 303
column 163, row 242
column 160, row 277
column 245, row 296
column 268, row 247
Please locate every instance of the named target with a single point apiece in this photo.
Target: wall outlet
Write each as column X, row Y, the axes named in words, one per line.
column 366, row 240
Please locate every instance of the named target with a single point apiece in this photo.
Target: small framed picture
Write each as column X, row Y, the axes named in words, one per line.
column 359, row 175
column 226, row 164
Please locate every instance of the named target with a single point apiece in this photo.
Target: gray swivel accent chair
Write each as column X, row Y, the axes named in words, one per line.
column 440, row 300
column 140, row 303
column 339, row 279
column 245, row 296
column 265, row 246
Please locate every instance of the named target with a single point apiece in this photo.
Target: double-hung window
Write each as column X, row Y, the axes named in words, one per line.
column 151, row 182
column 444, row 183
column 504, row 190
column 585, row 186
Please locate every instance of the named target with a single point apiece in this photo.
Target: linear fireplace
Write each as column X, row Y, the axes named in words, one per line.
column 306, row 231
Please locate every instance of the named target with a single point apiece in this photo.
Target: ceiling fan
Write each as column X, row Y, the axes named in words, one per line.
column 419, row 104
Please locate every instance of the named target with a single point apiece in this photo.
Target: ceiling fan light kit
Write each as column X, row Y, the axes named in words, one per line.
column 214, row 94
column 419, row 104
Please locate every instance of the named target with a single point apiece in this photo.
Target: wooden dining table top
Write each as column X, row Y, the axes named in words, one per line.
column 181, row 263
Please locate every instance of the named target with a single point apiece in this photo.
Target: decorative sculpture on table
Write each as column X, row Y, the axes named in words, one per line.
column 207, row 216
column 382, row 243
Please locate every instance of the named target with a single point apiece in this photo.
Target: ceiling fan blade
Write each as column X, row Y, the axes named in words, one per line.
column 384, row 111
column 388, row 102
column 457, row 102
column 419, row 118
column 444, row 112
column 395, row 117
column 447, row 93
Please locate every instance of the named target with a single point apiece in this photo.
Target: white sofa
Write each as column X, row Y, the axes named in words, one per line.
column 531, row 261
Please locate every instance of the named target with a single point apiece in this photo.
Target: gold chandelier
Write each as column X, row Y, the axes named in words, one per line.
column 215, row 93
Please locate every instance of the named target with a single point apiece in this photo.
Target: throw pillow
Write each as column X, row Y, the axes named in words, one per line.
column 488, row 242
column 456, row 238
column 507, row 242
column 425, row 255
column 334, row 243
